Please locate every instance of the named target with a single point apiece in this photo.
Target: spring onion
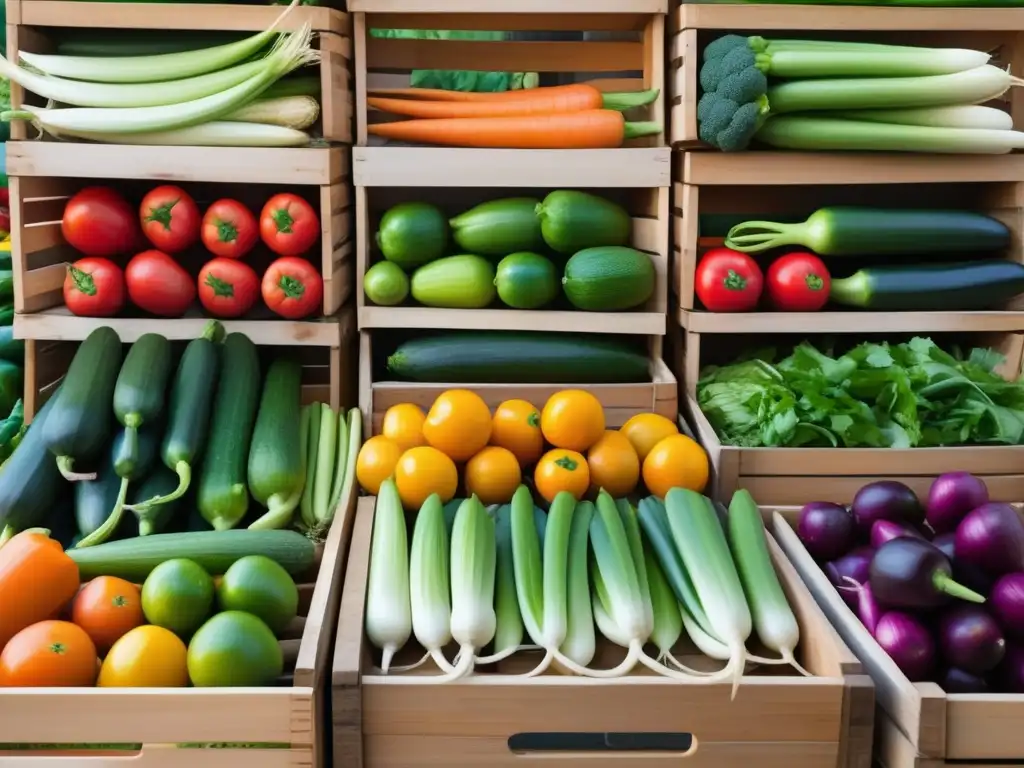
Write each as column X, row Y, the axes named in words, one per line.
column 473, row 572
column 327, row 444
column 388, row 603
column 215, row 134
column 962, row 116
column 580, row 643
column 310, row 446
column 355, row 439
column 340, row 462
column 508, row 633
column 430, row 582
column 298, row 112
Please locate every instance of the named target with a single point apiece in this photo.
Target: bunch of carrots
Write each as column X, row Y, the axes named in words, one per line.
column 558, row 117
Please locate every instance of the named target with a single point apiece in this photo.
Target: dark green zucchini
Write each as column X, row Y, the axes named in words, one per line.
column 135, row 466
column 95, row 503
column 518, row 358
column 7, row 314
column 985, row 284
column 80, row 424
column 11, row 349
column 160, row 482
column 139, row 392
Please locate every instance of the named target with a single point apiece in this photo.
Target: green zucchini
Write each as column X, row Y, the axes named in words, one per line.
column 215, row 551
column 188, row 414
column 30, row 481
column 139, row 392
column 7, row 314
column 608, row 279
column 499, row 227
column 984, row 284
column 11, row 349
column 223, row 496
column 849, row 231
column 276, row 474
column 519, row 358
column 6, row 285
column 161, row 481
column 79, row 426
column 96, row 504
column 572, row 220
column 138, row 42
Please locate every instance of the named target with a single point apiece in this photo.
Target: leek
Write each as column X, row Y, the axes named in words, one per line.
column 830, row 62
column 508, row 633
column 340, row 462
column 388, row 603
column 962, row 116
column 429, row 580
column 298, row 112
column 473, row 566
column 668, row 618
column 324, row 475
column 311, row 420
column 215, row 134
column 580, row 643
column 355, row 439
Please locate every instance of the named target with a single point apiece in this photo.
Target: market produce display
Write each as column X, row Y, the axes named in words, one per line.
column 227, row 95
column 499, row 250
column 819, row 95
column 168, row 227
column 576, row 116
column 938, row 584
column 875, row 395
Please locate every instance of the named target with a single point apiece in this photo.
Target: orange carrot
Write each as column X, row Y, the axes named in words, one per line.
column 542, row 101
column 591, row 129
column 580, row 93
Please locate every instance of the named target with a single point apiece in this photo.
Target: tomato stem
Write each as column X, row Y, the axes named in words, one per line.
column 283, row 220
column 292, row 288
column 226, row 231
column 566, row 462
column 533, row 419
column 161, row 214
column 220, row 287
column 734, row 281
column 83, row 280
column 814, row 282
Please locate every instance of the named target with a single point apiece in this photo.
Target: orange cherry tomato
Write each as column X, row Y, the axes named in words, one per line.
column 646, row 430
column 493, row 475
column 376, row 462
column 49, row 654
column 676, row 462
column 403, row 423
column 516, row 426
column 561, row 470
column 107, row 608
column 458, row 424
column 613, row 464
column 423, row 471
column 572, row 419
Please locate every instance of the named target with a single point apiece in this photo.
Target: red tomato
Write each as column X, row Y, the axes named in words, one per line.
column 170, row 218
column 292, row 288
column 5, row 210
column 229, row 229
column 94, row 287
column 728, row 281
column 228, row 287
column 289, row 225
column 99, row 222
column 159, row 284
column 798, row 282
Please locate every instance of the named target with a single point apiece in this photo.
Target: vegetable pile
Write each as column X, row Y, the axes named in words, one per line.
column 477, row 577
column 831, row 95
column 100, row 223
column 729, row 280
column 939, row 585
column 577, row 116
column 227, row 95
column 500, row 252
column 876, row 395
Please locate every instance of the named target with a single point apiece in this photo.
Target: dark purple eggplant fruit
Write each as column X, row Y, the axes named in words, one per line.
column 908, row 642
column 912, row 573
column 886, row 500
column 958, row 681
column 970, row 639
column 826, row 529
column 968, row 575
column 991, row 538
column 951, row 497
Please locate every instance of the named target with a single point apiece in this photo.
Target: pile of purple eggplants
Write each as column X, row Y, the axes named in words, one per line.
column 940, row 586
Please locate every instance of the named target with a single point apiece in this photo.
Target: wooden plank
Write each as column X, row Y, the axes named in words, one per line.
column 844, row 17
column 849, row 322
column 540, row 7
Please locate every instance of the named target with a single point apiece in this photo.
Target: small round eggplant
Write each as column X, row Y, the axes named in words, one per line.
column 991, row 538
column 970, row 639
column 886, row 500
column 958, row 681
column 1006, row 601
column 967, row 574
column 912, row 573
column 951, row 497
column 887, row 530
column 908, row 642
column 826, row 529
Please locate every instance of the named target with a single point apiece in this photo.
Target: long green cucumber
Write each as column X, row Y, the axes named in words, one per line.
column 499, row 227
column 140, row 387
column 276, row 476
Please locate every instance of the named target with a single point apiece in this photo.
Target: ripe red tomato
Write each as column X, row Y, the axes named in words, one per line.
column 170, row 218
column 99, row 222
column 159, row 284
column 798, row 282
column 288, row 225
column 94, row 287
column 228, row 287
column 5, row 210
column 728, row 281
column 292, row 288
column 229, row 229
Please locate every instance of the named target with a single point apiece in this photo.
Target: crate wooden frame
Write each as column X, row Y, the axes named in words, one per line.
column 642, row 163
column 919, row 724
column 40, row 255
column 690, row 24
column 620, row 401
column 650, row 233
column 795, row 476
column 528, row 6
column 790, row 722
column 28, row 19
column 1002, row 200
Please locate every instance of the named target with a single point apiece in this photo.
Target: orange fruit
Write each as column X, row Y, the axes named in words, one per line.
column 561, row 470
column 107, row 608
column 572, row 419
column 458, row 424
column 376, row 462
column 49, row 654
column 675, row 462
column 516, row 426
column 646, row 430
column 613, row 464
column 493, row 475
column 403, row 424
column 422, row 471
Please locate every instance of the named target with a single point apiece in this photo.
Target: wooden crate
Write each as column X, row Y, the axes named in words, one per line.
column 497, row 719
column 30, row 24
column 649, row 208
column 919, row 724
column 703, row 214
column 40, row 256
column 629, row 55
column 620, row 401
column 694, row 26
column 799, row 475
column 514, row 6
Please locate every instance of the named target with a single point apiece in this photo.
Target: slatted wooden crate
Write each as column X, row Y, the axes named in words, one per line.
column 499, row 718
column 650, row 233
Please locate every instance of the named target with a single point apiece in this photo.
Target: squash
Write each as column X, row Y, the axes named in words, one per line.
column 36, row 579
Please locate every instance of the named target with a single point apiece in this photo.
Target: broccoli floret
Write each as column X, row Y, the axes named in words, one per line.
column 743, row 87
column 730, row 126
column 716, row 49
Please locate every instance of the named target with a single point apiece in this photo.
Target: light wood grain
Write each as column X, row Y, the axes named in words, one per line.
column 561, row 7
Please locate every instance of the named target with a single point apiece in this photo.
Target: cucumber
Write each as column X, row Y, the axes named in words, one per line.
column 11, row 349
column 215, row 551
column 276, row 475
column 518, row 358
column 571, row 220
column 984, row 284
column 139, row 392
column 499, row 227
column 188, row 414
column 455, row 282
column 526, row 280
column 79, row 425
column 223, row 496
column 609, row 279
column 160, row 482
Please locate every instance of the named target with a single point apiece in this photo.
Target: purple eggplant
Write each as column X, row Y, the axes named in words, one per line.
column 908, row 642
column 970, row 639
column 951, row 497
column 826, row 529
column 912, row 573
column 991, row 538
column 855, row 565
column 1009, row 676
column 868, row 610
column 887, row 530
column 958, row 681
column 886, row 500
column 968, row 575
column 1006, row 602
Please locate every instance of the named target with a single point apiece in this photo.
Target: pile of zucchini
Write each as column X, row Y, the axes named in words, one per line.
column 183, row 447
